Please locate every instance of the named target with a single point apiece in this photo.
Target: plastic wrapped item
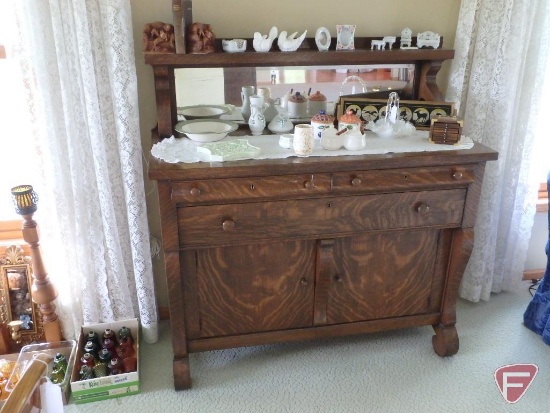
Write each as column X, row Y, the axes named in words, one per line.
column 63, row 355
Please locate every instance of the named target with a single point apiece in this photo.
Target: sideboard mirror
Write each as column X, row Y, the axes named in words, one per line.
column 223, row 85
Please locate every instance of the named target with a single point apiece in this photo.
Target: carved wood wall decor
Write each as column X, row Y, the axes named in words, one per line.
column 200, row 38
column 16, row 300
column 158, row 37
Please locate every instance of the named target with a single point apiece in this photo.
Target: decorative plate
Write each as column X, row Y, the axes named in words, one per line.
column 229, row 151
column 202, row 111
column 206, row 130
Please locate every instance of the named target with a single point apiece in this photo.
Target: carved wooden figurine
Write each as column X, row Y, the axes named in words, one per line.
column 200, row 38
column 158, row 37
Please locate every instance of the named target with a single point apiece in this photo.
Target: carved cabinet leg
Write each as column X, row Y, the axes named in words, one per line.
column 445, row 341
column 182, row 375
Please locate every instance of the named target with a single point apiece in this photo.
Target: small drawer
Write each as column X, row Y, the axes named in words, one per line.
column 221, row 224
column 400, row 180
column 242, row 189
column 341, row 215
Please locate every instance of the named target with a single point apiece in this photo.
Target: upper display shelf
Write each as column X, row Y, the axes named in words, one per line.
column 304, row 56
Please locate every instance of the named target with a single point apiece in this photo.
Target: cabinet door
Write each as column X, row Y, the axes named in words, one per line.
column 249, row 288
column 386, row 274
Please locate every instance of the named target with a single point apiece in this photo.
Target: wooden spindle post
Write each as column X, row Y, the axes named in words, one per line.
column 42, row 290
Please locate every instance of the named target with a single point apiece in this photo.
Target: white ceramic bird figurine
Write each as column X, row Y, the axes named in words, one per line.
column 263, row 43
column 289, row 43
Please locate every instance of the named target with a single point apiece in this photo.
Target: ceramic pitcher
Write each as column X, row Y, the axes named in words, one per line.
column 246, row 92
column 270, row 111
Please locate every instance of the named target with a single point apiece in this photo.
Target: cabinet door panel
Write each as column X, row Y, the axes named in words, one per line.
column 382, row 275
column 253, row 288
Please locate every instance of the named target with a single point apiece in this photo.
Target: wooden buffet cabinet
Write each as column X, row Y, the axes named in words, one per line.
column 265, row 251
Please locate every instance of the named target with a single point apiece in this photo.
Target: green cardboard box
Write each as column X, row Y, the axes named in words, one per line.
column 108, row 387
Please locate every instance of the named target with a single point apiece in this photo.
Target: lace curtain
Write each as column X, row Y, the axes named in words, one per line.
column 497, row 75
column 77, row 59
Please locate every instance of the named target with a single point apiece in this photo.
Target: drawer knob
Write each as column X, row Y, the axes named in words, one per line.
column 457, row 175
column 228, row 224
column 309, row 185
column 423, row 209
column 338, row 278
column 356, row 182
column 195, row 191
column 303, row 281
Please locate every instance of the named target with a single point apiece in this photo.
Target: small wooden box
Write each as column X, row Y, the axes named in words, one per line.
column 446, row 130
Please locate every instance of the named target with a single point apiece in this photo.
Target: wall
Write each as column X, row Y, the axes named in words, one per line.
column 241, row 18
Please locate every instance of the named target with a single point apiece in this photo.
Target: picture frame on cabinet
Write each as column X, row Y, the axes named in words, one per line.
column 418, row 112
column 345, row 35
column 17, row 306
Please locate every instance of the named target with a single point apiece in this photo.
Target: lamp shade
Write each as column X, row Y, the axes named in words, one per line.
column 24, row 199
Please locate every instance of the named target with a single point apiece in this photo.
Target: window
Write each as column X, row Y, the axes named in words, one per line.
column 15, row 166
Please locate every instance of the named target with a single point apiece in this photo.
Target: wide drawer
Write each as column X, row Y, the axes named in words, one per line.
column 228, row 224
column 395, row 180
column 342, row 215
column 242, row 189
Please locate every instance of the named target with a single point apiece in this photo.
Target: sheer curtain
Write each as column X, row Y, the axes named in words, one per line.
column 497, row 76
column 77, row 60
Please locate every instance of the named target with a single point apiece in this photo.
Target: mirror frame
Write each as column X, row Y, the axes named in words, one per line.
column 14, row 258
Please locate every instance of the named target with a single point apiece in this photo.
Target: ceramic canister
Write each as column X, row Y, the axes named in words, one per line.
column 316, row 103
column 348, row 120
column 297, row 105
column 303, row 141
column 320, row 122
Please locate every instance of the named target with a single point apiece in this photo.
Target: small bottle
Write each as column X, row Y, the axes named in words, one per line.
column 86, row 372
column 116, row 366
column 108, row 333
column 105, row 356
column 87, row 360
column 93, row 337
column 125, row 332
column 91, row 348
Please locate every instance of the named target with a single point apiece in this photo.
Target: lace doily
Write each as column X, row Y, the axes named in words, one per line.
column 174, row 150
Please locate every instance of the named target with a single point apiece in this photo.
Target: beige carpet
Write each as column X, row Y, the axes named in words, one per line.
column 394, row 371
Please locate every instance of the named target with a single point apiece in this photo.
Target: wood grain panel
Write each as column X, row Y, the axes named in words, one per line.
column 204, row 225
column 382, row 275
column 255, row 287
column 395, row 180
column 243, row 189
column 365, row 213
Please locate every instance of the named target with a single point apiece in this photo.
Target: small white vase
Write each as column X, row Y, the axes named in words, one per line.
column 256, row 122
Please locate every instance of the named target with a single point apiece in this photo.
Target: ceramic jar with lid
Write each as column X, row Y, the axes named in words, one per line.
column 320, row 122
column 348, row 120
column 297, row 105
column 354, row 139
column 316, row 103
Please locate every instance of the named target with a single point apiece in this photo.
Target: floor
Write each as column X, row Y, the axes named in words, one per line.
column 394, row 371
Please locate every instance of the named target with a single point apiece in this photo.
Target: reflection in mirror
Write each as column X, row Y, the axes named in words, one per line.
column 222, row 86
column 17, row 309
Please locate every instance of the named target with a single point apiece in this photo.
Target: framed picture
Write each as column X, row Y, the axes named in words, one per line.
column 345, row 37
column 16, row 305
column 420, row 113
